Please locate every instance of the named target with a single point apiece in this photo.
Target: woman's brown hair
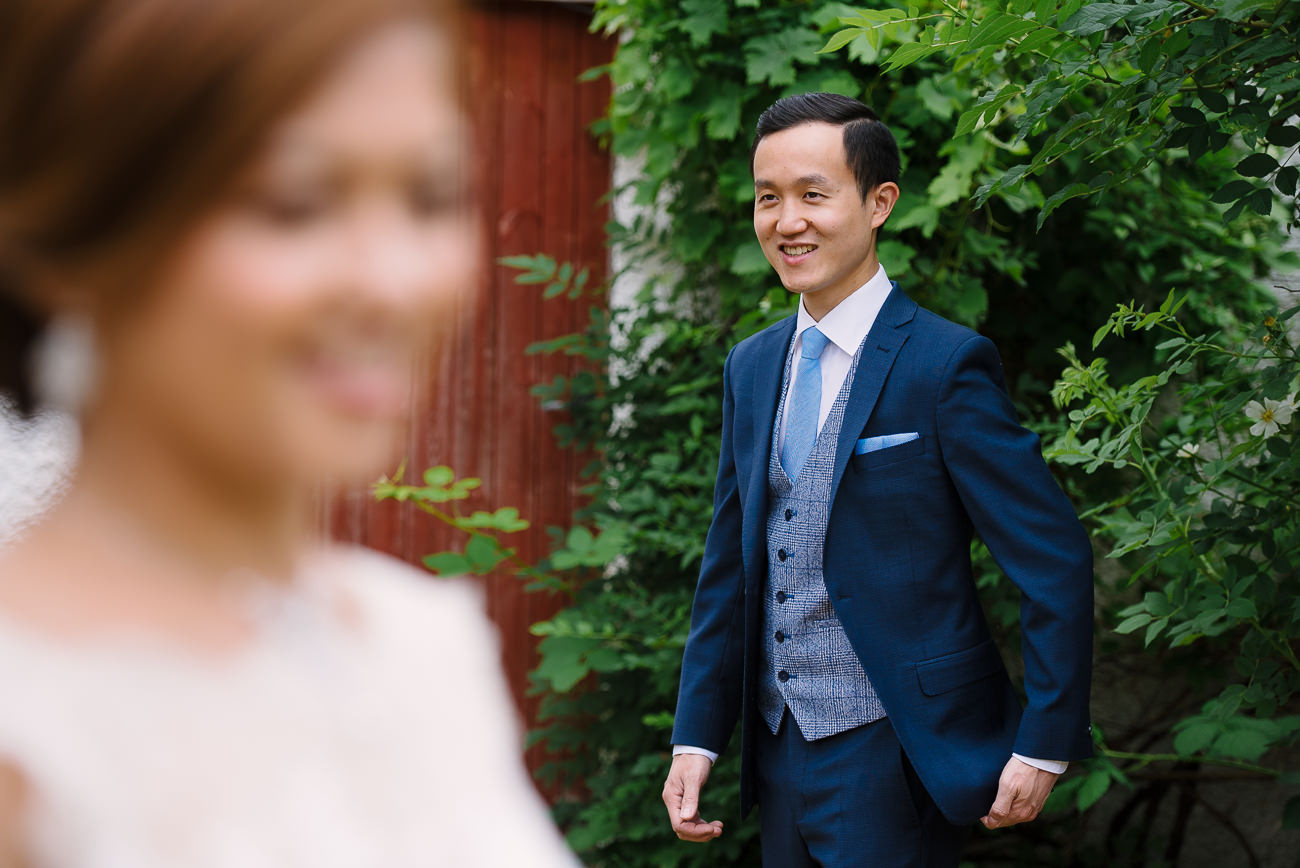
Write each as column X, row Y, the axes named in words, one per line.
column 122, row 121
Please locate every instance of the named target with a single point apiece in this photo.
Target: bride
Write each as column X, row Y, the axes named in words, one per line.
column 228, row 231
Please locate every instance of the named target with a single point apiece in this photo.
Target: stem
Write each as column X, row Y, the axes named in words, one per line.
column 1204, row 10
column 1145, row 759
column 1264, row 488
column 1281, row 648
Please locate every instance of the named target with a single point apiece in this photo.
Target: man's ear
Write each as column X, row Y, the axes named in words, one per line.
column 883, row 196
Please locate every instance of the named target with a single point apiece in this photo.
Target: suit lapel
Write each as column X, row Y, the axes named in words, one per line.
column 769, row 365
column 879, row 352
column 767, row 394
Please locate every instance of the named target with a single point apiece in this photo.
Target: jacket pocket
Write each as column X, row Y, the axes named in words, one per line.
column 889, row 455
column 942, row 674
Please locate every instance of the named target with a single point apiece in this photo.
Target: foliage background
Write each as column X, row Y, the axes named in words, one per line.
column 690, row 78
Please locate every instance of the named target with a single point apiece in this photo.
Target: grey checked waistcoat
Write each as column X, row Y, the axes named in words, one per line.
column 808, row 664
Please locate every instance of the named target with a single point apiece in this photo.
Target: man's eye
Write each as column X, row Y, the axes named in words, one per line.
column 813, row 194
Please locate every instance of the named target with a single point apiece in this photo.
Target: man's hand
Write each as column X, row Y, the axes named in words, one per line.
column 1022, row 792
column 682, row 797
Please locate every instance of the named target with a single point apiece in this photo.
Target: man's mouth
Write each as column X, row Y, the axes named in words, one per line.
column 797, row 249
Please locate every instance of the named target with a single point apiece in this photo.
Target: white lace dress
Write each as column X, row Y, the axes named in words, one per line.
column 385, row 742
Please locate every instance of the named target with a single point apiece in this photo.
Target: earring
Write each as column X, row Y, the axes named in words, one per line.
column 64, row 364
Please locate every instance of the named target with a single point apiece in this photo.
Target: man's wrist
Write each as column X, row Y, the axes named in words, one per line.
column 680, row 749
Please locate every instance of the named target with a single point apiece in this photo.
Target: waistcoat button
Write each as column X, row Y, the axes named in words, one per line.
column 789, row 514
column 780, row 637
column 780, row 554
column 780, row 596
column 783, row 675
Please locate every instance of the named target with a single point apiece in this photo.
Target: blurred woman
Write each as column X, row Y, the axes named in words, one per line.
column 228, row 230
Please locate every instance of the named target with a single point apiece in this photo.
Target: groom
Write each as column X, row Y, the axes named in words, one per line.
column 864, row 440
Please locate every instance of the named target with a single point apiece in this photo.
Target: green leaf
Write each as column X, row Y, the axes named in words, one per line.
column 770, row 58
column 1036, row 40
column 841, row 39
column 536, row 269
column 1232, row 191
column 439, row 476
column 1059, row 198
column 905, row 55
column 448, row 563
column 987, row 107
column 722, row 115
column 1128, row 625
column 703, row 19
column 1242, row 608
column 1150, row 54
column 1286, row 180
column 1093, row 788
column 1242, row 743
column 1187, row 115
column 1195, row 737
column 506, row 519
column 1213, row 100
column 998, row 29
column 1284, row 136
column 1257, row 165
column 1096, row 17
column 1260, row 201
column 936, row 103
column 484, row 553
column 563, row 661
column 1240, row 10
column 749, row 259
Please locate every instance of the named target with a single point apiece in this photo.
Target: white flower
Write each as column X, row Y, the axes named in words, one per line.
column 1189, row 450
column 1269, row 416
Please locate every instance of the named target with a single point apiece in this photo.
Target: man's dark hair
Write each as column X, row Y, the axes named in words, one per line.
column 869, row 146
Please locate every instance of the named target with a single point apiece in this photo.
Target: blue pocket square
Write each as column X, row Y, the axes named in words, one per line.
column 884, row 441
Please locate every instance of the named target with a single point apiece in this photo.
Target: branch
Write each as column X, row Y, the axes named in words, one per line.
column 1227, row 823
column 1176, row 776
column 1144, row 759
column 1204, row 10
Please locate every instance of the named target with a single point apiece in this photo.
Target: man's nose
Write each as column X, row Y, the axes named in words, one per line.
column 791, row 220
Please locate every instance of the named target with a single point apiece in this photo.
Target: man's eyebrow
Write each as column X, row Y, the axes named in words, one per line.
column 813, row 180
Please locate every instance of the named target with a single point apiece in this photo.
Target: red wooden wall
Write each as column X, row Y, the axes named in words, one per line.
column 540, row 182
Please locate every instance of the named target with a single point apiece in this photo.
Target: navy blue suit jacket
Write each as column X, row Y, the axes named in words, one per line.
column 897, row 560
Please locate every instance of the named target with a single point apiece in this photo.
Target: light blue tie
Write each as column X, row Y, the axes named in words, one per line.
column 805, row 404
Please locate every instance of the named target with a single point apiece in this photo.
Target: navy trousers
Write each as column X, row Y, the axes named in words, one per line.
column 848, row 800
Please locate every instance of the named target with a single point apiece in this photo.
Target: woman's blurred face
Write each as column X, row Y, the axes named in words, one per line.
column 280, row 339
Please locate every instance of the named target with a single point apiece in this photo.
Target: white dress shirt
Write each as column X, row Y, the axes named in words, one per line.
column 846, row 327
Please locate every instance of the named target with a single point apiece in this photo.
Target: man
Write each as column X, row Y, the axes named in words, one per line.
column 863, row 440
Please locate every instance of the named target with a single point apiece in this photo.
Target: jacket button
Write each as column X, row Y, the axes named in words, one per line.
column 783, row 675
column 780, row 596
column 780, row 637
column 789, row 514
column 780, row 554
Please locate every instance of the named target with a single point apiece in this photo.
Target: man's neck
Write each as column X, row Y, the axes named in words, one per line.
column 823, row 301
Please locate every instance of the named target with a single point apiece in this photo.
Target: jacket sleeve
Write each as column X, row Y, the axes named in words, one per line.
column 1031, row 530
column 709, row 697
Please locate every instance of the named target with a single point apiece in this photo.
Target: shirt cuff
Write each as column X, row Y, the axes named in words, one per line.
column 1056, row 767
column 679, row 749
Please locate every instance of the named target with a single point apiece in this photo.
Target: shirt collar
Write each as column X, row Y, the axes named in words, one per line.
column 847, row 324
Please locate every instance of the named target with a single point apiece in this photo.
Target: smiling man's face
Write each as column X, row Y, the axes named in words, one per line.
column 812, row 222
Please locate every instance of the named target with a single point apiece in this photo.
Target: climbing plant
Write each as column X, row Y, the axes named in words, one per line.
column 690, row 78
